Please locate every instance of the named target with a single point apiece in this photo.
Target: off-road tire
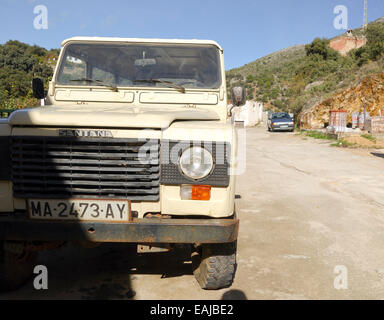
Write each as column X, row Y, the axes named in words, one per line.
column 15, row 269
column 214, row 265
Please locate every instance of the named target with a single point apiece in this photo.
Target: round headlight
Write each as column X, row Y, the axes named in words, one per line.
column 196, row 162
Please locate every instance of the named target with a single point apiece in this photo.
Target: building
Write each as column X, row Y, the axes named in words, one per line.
column 248, row 115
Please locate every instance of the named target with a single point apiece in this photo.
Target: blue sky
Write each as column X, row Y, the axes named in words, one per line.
column 246, row 29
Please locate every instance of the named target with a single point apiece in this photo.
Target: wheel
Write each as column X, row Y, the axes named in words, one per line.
column 15, row 268
column 214, row 265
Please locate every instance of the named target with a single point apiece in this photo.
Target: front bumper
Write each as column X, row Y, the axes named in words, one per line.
column 139, row 231
column 280, row 128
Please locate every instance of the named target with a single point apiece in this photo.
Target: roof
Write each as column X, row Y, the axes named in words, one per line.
column 139, row 40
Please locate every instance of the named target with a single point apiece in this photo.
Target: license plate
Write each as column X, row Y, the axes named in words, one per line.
column 80, row 209
column 284, row 126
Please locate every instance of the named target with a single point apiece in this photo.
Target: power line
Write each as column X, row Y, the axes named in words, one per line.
column 365, row 23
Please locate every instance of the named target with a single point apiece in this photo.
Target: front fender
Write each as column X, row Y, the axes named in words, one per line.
column 221, row 203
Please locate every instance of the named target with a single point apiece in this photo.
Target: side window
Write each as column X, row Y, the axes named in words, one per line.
column 73, row 69
column 104, row 76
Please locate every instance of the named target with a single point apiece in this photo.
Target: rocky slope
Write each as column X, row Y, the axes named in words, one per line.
column 369, row 93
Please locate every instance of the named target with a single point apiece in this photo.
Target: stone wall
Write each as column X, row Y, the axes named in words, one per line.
column 375, row 125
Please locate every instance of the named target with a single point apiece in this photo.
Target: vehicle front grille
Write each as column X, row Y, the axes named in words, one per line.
column 68, row 167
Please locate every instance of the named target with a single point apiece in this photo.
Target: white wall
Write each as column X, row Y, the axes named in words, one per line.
column 251, row 113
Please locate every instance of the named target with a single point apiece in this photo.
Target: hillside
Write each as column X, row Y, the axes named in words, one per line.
column 301, row 77
column 267, row 79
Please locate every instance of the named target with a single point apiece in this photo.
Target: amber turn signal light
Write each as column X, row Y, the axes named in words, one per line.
column 201, row 192
column 188, row 192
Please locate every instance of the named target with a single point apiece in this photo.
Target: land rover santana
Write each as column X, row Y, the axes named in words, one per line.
column 131, row 144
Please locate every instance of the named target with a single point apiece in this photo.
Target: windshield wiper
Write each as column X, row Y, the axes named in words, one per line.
column 109, row 86
column 168, row 83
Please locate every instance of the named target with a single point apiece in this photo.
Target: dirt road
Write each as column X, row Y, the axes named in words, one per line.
column 305, row 209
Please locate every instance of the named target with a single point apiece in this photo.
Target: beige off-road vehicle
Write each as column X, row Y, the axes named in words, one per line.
column 131, row 145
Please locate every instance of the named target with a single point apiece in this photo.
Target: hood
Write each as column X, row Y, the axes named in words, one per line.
column 109, row 116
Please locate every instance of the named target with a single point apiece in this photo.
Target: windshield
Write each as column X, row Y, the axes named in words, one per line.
column 141, row 65
column 281, row 116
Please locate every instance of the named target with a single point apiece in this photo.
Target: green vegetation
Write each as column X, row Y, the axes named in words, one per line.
column 320, row 47
column 375, row 45
column 19, row 63
column 318, row 135
column 345, row 143
column 341, row 143
column 369, row 137
column 299, row 77
column 336, row 142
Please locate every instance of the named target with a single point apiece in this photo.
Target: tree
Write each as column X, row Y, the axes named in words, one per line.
column 375, row 40
column 374, row 48
column 375, row 33
column 19, row 63
column 321, row 47
column 318, row 46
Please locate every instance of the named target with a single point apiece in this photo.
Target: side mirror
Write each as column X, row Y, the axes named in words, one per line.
column 229, row 112
column 238, row 95
column 38, row 88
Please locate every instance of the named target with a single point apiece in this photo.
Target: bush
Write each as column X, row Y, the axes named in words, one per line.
column 250, row 79
column 374, row 49
column 320, row 47
column 20, row 63
column 375, row 33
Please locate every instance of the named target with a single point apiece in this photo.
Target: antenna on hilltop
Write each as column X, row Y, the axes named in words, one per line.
column 365, row 23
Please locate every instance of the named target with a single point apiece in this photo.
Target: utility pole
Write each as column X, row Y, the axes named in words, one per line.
column 365, row 23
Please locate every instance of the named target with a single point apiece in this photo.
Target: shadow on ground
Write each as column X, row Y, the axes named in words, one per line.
column 104, row 272
column 380, row 155
column 234, row 295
